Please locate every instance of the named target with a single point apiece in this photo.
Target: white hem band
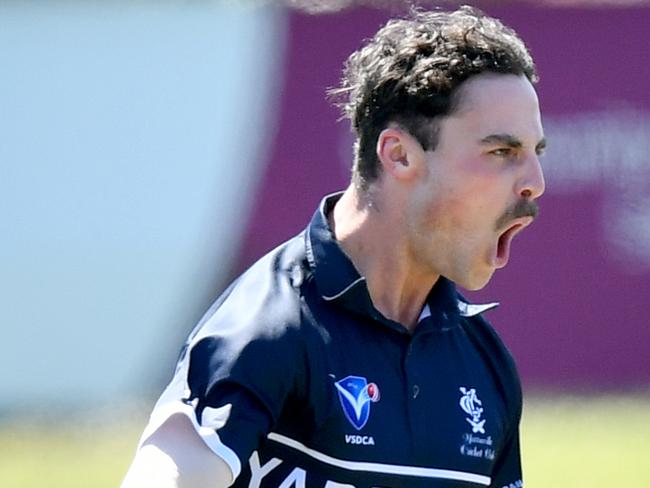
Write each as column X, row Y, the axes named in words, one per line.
column 382, row 468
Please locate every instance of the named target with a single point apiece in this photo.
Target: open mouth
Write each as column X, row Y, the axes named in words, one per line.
column 505, row 240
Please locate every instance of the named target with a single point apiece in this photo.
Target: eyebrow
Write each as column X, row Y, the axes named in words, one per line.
column 510, row 141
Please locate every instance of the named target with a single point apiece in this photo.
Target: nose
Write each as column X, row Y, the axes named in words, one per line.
column 532, row 183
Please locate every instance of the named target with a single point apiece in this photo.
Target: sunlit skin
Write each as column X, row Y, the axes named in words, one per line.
column 445, row 212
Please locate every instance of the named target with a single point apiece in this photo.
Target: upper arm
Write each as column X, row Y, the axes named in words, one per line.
column 234, row 377
column 221, row 404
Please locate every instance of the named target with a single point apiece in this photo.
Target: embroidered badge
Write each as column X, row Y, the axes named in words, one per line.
column 355, row 395
column 471, row 405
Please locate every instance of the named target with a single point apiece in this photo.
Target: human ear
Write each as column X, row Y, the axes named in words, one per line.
column 396, row 153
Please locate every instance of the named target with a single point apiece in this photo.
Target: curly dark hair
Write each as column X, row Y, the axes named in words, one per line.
column 410, row 71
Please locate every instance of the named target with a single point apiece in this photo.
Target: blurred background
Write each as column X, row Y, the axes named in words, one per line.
column 152, row 150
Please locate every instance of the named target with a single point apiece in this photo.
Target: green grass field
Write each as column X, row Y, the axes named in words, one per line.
column 576, row 442
column 587, row 442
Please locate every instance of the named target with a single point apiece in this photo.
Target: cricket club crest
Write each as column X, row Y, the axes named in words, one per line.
column 471, row 405
column 355, row 395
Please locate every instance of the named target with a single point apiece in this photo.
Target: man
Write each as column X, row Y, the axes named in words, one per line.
column 346, row 357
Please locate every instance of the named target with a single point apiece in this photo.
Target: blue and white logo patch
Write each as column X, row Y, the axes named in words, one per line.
column 355, row 395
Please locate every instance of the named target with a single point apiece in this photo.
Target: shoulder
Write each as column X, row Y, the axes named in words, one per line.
column 259, row 314
column 264, row 299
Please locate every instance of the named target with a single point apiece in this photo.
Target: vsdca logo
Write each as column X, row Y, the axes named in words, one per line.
column 355, row 395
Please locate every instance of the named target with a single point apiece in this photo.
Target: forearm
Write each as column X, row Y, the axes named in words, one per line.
column 176, row 457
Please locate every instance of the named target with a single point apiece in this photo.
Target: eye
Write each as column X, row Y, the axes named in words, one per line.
column 502, row 152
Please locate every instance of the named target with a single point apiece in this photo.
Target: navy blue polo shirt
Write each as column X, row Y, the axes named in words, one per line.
column 295, row 379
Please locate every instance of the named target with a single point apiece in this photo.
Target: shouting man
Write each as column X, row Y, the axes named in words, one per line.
column 346, row 357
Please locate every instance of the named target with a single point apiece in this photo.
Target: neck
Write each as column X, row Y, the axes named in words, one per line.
column 368, row 232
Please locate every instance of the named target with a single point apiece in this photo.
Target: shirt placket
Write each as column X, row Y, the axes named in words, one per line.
column 413, row 391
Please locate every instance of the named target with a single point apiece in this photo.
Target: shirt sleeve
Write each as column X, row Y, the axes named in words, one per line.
column 233, row 388
column 507, row 471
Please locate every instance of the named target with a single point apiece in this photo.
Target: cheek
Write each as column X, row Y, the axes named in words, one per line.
column 456, row 195
column 455, row 212
column 479, row 202
column 458, row 202
column 463, row 224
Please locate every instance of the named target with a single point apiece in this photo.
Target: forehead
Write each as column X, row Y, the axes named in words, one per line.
column 498, row 104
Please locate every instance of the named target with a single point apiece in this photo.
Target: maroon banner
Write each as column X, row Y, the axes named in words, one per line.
column 573, row 294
